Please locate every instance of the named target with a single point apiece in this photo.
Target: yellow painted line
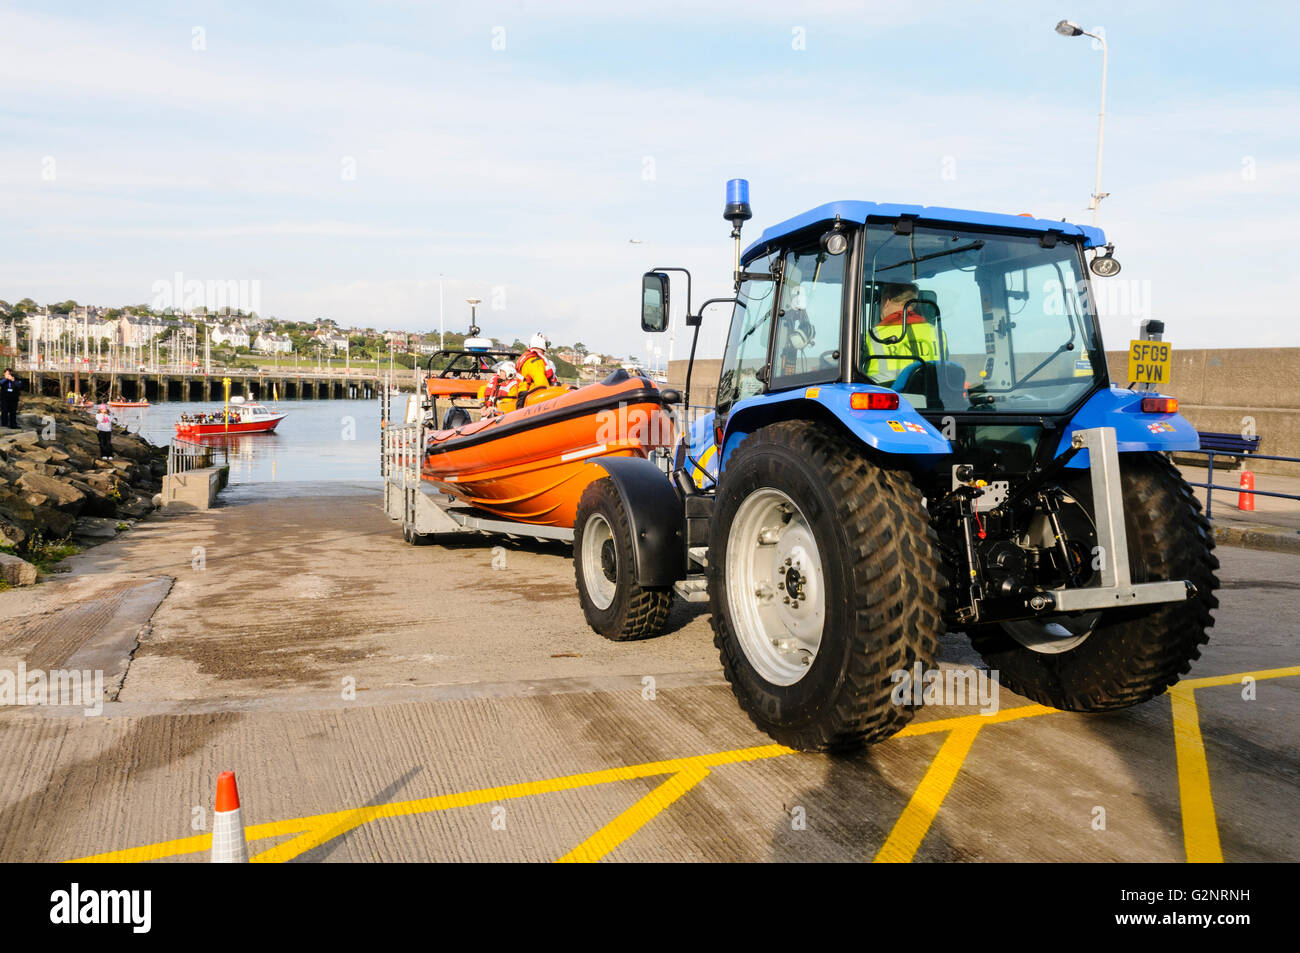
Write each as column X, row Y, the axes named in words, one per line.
column 312, row 828
column 137, row 855
column 1196, row 800
column 1217, row 680
column 634, row 818
column 961, row 721
column 1200, row 825
column 912, row 825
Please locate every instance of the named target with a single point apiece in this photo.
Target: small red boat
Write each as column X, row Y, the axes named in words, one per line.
column 128, row 403
column 531, row 465
column 242, row 417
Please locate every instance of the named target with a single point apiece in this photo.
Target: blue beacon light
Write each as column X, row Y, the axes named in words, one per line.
column 737, row 209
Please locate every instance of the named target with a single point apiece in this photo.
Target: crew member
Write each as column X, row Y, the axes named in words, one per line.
column 918, row 338
column 501, row 390
column 9, row 388
column 534, row 367
column 104, row 429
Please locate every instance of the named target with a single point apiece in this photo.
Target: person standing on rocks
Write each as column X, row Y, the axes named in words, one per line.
column 9, row 388
column 104, row 427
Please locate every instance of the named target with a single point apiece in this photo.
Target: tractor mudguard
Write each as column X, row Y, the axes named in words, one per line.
column 903, row 431
column 654, row 513
column 1134, row 430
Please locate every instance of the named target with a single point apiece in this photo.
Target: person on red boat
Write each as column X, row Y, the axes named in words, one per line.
column 535, row 368
column 501, row 389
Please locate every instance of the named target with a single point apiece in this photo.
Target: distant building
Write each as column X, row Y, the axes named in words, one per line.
column 270, row 343
column 136, row 330
column 232, row 334
column 331, row 339
column 592, row 360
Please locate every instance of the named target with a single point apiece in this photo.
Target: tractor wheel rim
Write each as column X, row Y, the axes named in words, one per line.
column 599, row 568
column 776, row 587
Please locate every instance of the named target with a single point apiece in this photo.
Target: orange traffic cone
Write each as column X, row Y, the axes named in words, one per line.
column 1246, row 501
column 228, row 843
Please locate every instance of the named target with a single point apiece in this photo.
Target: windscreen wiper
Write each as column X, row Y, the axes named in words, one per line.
column 973, row 246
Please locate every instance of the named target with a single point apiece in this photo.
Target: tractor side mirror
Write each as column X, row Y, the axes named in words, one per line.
column 654, row 301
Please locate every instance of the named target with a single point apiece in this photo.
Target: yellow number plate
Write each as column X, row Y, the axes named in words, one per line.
column 1148, row 362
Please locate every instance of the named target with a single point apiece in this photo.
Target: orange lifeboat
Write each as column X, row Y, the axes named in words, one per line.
column 530, row 465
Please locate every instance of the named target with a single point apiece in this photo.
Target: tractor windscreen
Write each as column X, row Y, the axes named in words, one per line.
column 963, row 320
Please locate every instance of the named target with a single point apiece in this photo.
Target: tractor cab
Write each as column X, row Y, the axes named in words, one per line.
column 982, row 324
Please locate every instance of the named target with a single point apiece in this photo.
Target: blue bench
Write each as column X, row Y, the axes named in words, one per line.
column 1228, row 444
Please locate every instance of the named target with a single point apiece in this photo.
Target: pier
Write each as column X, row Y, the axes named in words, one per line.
column 162, row 386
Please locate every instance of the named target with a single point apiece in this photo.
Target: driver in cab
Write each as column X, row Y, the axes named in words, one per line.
column 905, row 331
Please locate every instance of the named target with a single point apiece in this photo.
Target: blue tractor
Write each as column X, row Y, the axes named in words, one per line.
column 915, row 432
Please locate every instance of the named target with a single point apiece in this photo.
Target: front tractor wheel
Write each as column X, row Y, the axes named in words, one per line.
column 824, row 581
column 603, row 563
column 1100, row 661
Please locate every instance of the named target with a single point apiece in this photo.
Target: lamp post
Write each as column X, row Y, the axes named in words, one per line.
column 1066, row 28
column 442, row 317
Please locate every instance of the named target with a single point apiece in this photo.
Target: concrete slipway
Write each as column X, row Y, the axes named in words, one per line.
column 384, row 702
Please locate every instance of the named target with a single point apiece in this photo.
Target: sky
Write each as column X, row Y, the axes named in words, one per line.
column 345, row 160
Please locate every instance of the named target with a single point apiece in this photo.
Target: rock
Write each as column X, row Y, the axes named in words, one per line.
column 15, row 571
column 138, row 507
column 20, row 438
column 65, row 494
column 36, row 499
column 37, row 454
column 12, row 535
column 95, row 527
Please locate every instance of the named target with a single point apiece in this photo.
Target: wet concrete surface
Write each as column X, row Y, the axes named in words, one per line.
column 386, row 702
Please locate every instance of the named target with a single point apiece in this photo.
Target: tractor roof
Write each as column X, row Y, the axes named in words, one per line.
column 859, row 212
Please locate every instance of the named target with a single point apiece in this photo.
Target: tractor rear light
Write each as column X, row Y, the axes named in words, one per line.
column 1159, row 405
column 717, row 434
column 873, row 400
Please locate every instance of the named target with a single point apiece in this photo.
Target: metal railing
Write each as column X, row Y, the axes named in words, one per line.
column 1210, row 486
column 400, row 451
column 185, row 455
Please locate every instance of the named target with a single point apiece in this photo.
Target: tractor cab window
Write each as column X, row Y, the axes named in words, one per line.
column 807, row 345
column 960, row 320
column 744, row 365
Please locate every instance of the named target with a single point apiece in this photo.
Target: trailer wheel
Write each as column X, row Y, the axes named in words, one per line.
column 825, row 581
column 1120, row 657
column 603, row 563
column 414, row 538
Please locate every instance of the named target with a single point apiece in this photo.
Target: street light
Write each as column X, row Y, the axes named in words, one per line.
column 1066, row 28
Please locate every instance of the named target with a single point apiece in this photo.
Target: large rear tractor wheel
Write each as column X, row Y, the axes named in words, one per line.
column 1101, row 661
column 824, row 581
column 615, row 606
